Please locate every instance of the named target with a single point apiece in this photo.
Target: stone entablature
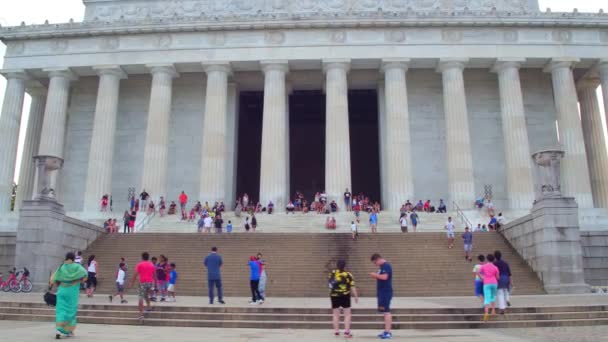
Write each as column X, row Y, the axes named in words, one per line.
column 113, row 10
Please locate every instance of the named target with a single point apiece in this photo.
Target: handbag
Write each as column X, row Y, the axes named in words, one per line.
column 50, row 298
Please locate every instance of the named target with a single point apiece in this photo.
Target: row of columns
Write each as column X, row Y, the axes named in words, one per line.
column 584, row 165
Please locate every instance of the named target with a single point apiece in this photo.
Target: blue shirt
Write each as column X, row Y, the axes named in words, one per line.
column 373, row 218
column 385, row 287
column 173, row 277
column 213, row 262
column 468, row 238
column 254, row 266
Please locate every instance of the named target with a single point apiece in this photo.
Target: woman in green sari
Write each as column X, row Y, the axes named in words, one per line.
column 67, row 278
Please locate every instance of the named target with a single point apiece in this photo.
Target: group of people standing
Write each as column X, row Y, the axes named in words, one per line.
column 493, row 283
column 257, row 277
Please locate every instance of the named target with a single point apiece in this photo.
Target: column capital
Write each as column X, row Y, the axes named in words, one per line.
column 502, row 64
column 561, row 62
column 114, row 70
column 395, row 63
column 452, row 63
column 587, row 83
column 15, row 73
column 61, row 72
column 342, row 63
column 280, row 65
column 166, row 68
column 217, row 66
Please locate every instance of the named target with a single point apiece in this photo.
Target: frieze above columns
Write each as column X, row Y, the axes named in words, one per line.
column 110, row 10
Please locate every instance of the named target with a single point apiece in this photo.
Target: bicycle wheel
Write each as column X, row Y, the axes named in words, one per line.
column 26, row 286
column 5, row 287
column 15, row 286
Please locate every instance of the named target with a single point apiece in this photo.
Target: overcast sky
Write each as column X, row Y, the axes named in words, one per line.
column 12, row 13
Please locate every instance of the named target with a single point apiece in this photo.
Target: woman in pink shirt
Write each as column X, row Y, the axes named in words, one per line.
column 489, row 274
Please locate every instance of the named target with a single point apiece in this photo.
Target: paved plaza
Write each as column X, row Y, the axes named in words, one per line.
column 40, row 331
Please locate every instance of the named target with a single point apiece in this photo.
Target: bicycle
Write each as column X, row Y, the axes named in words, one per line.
column 24, row 284
column 12, row 279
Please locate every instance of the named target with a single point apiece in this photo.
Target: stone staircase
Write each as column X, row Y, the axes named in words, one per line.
column 304, row 223
column 310, row 318
column 298, row 263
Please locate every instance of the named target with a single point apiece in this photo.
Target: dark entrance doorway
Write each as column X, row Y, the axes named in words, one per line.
column 251, row 110
column 307, row 142
column 364, row 144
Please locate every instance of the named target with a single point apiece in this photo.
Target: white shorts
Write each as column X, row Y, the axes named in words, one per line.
column 468, row 247
column 450, row 235
column 171, row 288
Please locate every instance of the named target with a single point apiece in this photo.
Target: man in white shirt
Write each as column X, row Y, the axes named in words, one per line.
column 207, row 223
column 403, row 222
column 449, row 226
column 353, row 229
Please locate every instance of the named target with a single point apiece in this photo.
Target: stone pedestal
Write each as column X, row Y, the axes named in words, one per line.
column 45, row 235
column 558, row 253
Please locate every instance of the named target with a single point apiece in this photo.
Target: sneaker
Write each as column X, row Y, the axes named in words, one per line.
column 337, row 334
column 124, row 301
column 348, row 334
column 508, row 303
column 110, row 298
column 221, row 301
column 153, row 299
column 261, row 301
column 253, row 303
column 385, row 336
column 486, row 317
column 162, row 299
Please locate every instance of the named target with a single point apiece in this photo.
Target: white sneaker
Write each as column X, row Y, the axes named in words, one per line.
column 253, row 303
column 261, row 301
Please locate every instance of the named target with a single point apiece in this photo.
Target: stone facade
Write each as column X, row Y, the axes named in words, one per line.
column 595, row 257
column 164, row 78
column 8, row 244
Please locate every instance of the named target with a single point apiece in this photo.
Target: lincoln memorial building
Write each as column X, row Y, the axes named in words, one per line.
column 397, row 99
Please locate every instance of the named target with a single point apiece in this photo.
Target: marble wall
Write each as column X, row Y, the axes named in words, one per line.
column 427, row 129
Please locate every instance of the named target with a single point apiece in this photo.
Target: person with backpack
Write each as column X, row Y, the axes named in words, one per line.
column 341, row 284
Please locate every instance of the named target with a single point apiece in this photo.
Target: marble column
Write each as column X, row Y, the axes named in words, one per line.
column 399, row 175
column 520, row 188
column 274, row 184
column 52, row 137
column 337, row 135
column 154, row 179
column 10, row 122
column 461, row 184
column 575, row 171
column 382, row 141
column 101, row 152
column 30, row 145
column 603, row 71
column 213, row 161
column 595, row 143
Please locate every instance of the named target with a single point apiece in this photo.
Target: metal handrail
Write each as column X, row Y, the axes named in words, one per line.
column 463, row 218
column 144, row 222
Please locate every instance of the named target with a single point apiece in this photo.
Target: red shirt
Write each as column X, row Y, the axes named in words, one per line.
column 183, row 198
column 146, row 270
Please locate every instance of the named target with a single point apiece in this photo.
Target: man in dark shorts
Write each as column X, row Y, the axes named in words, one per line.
column 384, row 283
column 341, row 284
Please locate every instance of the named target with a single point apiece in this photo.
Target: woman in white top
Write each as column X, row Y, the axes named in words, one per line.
column 92, row 279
